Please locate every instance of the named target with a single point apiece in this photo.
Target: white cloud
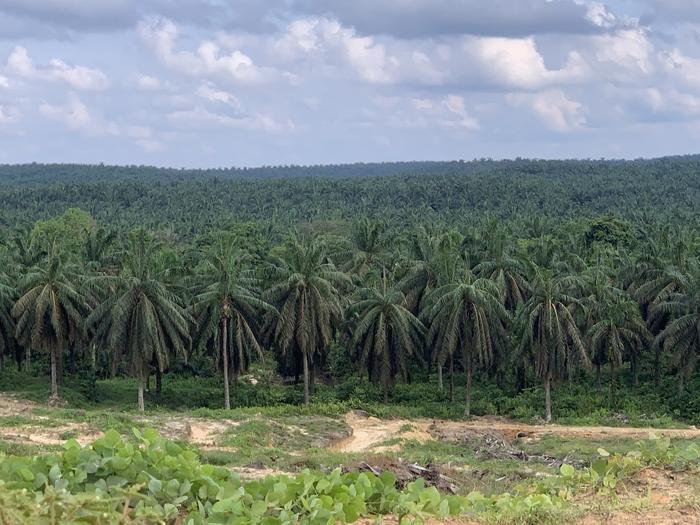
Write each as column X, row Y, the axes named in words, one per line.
column 207, row 91
column 76, row 116
column 455, row 104
column 200, row 117
column 516, row 62
column 161, row 35
column 8, row 115
column 628, row 50
column 554, row 109
column 148, row 83
column 78, row 77
column 682, row 68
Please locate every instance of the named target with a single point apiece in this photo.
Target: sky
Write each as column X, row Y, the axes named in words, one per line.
column 214, row 83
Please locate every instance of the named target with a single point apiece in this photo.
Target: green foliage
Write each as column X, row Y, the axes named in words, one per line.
column 158, row 478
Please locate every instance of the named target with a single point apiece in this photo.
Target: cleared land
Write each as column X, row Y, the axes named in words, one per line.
column 492, row 455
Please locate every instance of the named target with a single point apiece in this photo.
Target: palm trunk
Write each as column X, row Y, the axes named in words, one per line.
column 597, row 375
column 54, row 375
column 142, row 405
column 548, row 398
column 224, row 356
column 613, row 378
column 439, row 374
column 468, row 399
column 159, row 381
column 305, row 364
column 28, row 360
column 452, row 379
column 681, row 384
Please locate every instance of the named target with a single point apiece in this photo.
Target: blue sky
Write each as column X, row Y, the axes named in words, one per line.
column 249, row 82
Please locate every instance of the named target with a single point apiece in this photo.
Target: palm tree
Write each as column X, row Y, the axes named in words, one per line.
column 681, row 336
column 386, row 334
column 305, row 291
column 50, row 313
column 8, row 296
column 466, row 316
column 140, row 317
column 508, row 272
column 550, row 335
column 226, row 305
column 619, row 332
column 368, row 248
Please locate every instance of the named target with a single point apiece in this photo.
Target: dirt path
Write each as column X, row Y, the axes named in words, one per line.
column 370, row 432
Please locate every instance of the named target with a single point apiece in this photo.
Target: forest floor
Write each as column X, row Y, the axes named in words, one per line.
column 489, row 454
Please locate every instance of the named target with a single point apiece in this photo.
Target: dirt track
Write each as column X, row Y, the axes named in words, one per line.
column 370, row 432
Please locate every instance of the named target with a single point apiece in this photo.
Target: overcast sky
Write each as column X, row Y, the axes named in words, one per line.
column 253, row 82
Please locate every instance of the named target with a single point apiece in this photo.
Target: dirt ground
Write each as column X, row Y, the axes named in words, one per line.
column 369, row 432
column 670, row 498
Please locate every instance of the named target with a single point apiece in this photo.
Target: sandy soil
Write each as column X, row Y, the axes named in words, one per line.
column 370, row 432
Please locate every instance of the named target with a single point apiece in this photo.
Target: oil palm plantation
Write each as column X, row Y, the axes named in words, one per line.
column 50, row 312
column 387, row 335
column 226, row 306
column 550, row 336
column 466, row 317
column 305, row 289
column 140, row 318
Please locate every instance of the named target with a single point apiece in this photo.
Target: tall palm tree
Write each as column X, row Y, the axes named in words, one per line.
column 226, row 305
column 140, row 317
column 386, row 334
column 550, row 335
column 50, row 313
column 467, row 317
column 619, row 332
column 306, row 292
column 681, row 336
column 8, row 296
column 367, row 249
column 508, row 272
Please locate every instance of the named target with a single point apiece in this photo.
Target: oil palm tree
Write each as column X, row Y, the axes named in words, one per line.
column 367, row 249
column 466, row 316
column 387, row 335
column 8, row 296
column 305, row 290
column 50, row 312
column 140, row 317
column 550, row 335
column 619, row 332
column 226, row 306
column 681, row 336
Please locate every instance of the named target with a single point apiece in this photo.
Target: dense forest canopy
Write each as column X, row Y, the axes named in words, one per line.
column 191, row 202
column 516, row 273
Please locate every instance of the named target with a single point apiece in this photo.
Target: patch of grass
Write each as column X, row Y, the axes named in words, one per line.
column 26, row 449
column 20, row 421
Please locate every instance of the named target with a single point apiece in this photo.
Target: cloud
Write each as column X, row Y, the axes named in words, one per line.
column 554, row 109
column 681, row 68
column 8, row 115
column 79, row 77
column 161, row 35
column 199, row 117
column 148, row 83
column 207, row 91
column 76, row 116
column 427, row 18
